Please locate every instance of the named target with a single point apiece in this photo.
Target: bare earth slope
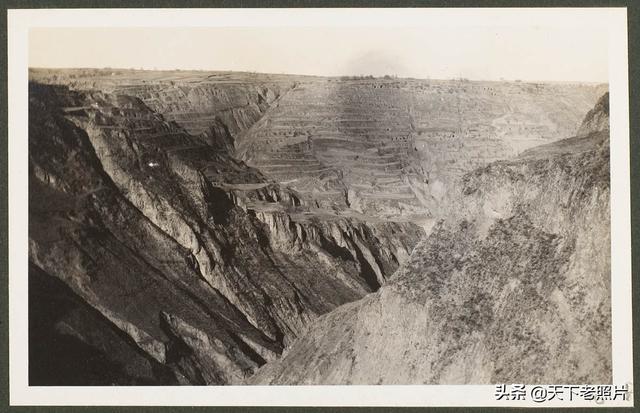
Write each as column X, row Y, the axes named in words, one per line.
column 393, row 147
column 385, row 147
column 513, row 286
column 191, row 226
column 207, row 268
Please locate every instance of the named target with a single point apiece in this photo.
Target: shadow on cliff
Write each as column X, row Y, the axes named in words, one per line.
column 61, row 355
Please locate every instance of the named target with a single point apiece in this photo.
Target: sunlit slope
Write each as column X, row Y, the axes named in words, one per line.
column 511, row 286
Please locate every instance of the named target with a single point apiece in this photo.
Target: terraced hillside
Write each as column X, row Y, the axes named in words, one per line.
column 384, row 147
column 191, row 226
column 214, row 106
column 512, row 286
column 200, row 266
column 393, row 146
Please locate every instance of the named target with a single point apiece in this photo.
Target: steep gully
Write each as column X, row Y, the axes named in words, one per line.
column 202, row 266
column 512, row 285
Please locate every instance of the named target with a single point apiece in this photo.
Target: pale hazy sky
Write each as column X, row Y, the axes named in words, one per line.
column 527, row 53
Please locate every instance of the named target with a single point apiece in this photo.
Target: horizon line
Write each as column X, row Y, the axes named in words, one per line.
column 362, row 76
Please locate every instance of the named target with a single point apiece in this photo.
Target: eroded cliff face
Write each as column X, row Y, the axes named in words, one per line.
column 389, row 148
column 512, row 285
column 597, row 119
column 203, row 224
column 216, row 107
column 197, row 260
column 395, row 147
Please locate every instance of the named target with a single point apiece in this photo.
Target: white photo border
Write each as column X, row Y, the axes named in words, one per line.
column 613, row 20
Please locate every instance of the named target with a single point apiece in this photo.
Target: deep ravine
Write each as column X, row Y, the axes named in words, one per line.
column 205, row 265
column 236, row 228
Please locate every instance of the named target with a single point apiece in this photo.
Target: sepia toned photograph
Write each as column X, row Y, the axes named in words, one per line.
column 324, row 204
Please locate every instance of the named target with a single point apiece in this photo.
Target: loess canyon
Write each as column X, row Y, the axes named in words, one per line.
column 238, row 228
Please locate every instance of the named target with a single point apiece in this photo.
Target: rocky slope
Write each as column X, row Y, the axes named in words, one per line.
column 512, row 285
column 188, row 227
column 214, row 106
column 597, row 119
column 385, row 147
column 195, row 263
column 393, row 147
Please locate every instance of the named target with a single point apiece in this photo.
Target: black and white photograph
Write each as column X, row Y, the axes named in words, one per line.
column 294, row 199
